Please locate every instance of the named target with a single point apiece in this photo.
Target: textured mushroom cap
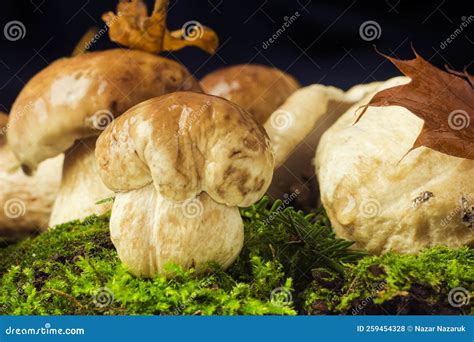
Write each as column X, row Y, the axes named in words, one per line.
column 25, row 202
column 384, row 199
column 187, row 143
column 256, row 88
column 77, row 97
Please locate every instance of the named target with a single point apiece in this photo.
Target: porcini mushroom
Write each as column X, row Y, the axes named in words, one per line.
column 67, row 105
column 258, row 89
column 25, row 202
column 385, row 199
column 181, row 165
column 74, row 99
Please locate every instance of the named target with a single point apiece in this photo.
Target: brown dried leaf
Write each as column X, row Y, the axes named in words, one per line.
column 444, row 100
column 84, row 44
column 132, row 27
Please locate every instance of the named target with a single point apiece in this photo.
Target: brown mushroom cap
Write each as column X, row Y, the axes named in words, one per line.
column 75, row 98
column 258, row 89
column 186, row 143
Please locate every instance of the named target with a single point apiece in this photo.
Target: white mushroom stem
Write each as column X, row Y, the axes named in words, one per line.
column 150, row 231
column 26, row 202
column 81, row 187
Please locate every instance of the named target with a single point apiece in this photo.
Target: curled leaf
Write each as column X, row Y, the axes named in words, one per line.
column 132, row 27
column 84, row 44
column 443, row 100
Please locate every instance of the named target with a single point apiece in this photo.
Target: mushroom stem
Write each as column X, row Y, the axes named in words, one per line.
column 150, row 231
column 81, row 187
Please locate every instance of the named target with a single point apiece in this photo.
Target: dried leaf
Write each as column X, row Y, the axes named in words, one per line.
column 84, row 44
column 132, row 27
column 444, row 100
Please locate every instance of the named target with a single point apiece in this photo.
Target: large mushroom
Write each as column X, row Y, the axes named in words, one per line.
column 256, row 88
column 71, row 101
column 25, row 202
column 385, row 199
column 181, row 165
column 66, row 106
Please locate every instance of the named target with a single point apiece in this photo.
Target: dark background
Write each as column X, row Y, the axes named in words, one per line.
column 323, row 45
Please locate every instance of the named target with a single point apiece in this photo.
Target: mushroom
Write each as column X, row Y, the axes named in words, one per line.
column 256, row 88
column 25, row 202
column 181, row 165
column 66, row 106
column 295, row 129
column 385, row 199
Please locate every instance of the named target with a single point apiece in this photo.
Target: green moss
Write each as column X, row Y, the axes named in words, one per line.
column 74, row 269
column 396, row 284
column 291, row 263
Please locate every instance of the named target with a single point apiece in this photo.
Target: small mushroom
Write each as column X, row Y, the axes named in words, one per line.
column 256, row 88
column 25, row 202
column 68, row 104
column 385, row 199
column 181, row 165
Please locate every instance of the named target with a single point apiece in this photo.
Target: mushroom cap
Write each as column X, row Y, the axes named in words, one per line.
column 77, row 97
column 256, row 88
column 186, row 143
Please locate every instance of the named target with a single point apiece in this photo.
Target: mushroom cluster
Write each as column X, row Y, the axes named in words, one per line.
column 181, row 165
column 293, row 118
column 67, row 105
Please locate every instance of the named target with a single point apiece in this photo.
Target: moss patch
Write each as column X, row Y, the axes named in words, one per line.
column 397, row 284
column 291, row 263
